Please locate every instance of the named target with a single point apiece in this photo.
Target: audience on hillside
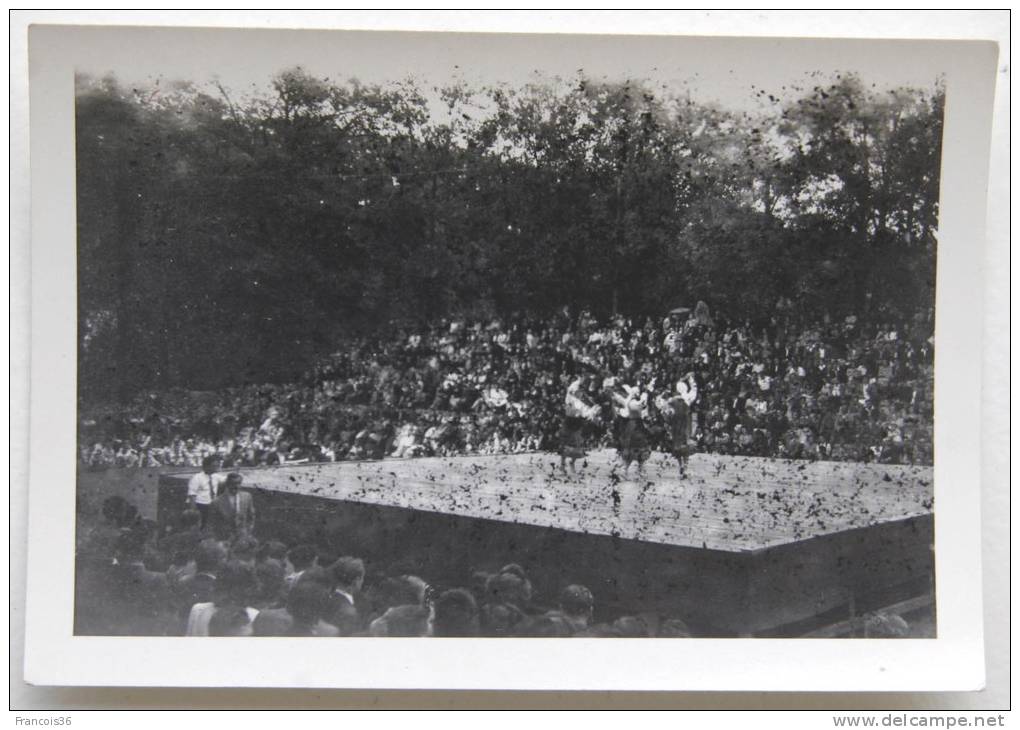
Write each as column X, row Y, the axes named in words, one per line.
column 835, row 390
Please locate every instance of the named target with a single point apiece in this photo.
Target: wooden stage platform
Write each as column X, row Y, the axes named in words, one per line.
column 742, row 545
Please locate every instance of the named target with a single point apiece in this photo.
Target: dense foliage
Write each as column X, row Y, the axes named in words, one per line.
column 224, row 240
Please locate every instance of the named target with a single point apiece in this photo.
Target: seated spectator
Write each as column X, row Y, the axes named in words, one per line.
column 406, row 444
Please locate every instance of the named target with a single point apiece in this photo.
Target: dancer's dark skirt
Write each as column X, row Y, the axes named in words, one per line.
column 572, row 438
column 634, row 442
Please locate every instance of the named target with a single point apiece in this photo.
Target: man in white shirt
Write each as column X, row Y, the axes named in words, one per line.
column 204, row 487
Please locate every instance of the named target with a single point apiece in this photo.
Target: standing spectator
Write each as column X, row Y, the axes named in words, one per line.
column 577, row 606
column 234, row 590
column 143, row 606
column 299, row 559
column 307, row 604
column 200, row 587
column 455, row 614
column 348, row 576
column 180, row 547
column 233, row 512
column 203, row 487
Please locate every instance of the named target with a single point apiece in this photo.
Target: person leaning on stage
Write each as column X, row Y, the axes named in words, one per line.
column 233, row 512
column 203, row 488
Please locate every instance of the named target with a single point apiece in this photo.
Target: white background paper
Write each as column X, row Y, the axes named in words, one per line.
column 994, row 436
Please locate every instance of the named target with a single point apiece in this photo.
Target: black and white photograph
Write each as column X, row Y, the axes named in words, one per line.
column 598, row 356
column 488, row 337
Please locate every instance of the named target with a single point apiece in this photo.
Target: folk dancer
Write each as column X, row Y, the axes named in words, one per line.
column 576, row 413
column 633, row 439
column 677, row 415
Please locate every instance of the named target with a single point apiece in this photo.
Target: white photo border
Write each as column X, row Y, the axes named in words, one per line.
column 953, row 661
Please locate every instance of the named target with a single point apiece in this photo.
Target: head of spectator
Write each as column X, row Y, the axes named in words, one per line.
column 545, row 627
column 114, row 509
column 883, row 625
column 514, row 569
column 406, row 620
column 232, row 483
column 130, row 547
column 307, row 603
column 326, row 555
column 577, row 603
column 455, row 614
column 500, row 619
column 272, row 550
column 230, row 620
column 632, row 627
column 244, row 548
column 190, row 519
column 301, row 557
column 129, row 518
column 236, row 584
column 404, row 590
column 348, row 574
column 210, row 555
column 270, row 574
column 211, row 464
column 508, row 588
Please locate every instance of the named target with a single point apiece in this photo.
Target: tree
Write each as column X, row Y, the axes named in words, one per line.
column 228, row 238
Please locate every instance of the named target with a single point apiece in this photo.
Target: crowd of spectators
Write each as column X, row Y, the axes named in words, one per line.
column 134, row 580
column 836, row 389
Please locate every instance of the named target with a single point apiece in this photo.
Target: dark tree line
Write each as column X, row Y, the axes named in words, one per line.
column 224, row 239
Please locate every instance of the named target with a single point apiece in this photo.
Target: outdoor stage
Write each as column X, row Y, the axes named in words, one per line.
column 742, row 546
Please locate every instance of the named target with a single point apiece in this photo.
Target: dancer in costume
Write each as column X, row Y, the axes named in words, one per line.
column 632, row 438
column 677, row 415
column 577, row 413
